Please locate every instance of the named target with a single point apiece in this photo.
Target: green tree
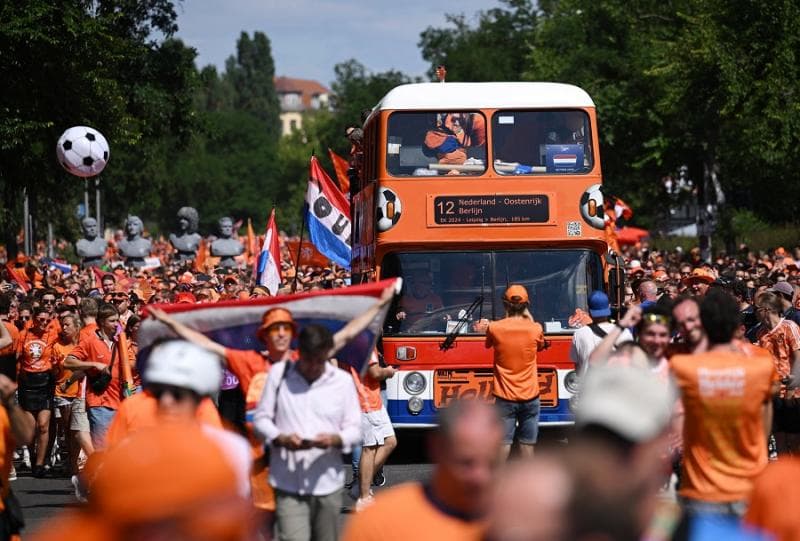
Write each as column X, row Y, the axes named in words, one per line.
column 494, row 50
column 252, row 74
column 95, row 63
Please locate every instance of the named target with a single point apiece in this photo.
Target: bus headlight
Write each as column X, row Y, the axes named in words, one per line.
column 572, row 382
column 414, row 383
column 415, row 405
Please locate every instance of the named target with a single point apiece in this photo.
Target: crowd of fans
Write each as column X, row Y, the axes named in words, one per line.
column 691, row 386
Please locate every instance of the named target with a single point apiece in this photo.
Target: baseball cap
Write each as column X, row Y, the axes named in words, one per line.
column 182, row 364
column 784, row 288
column 185, row 297
column 630, row 401
column 516, row 294
column 598, row 304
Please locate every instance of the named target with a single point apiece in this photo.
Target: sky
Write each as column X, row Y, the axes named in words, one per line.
column 309, row 37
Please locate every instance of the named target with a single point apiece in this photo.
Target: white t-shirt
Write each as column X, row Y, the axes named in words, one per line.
column 585, row 340
column 238, row 452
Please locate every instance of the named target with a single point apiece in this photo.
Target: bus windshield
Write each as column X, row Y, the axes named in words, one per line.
column 436, row 143
column 541, row 142
column 440, row 287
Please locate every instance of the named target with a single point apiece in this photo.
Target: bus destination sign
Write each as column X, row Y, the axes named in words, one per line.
column 491, row 209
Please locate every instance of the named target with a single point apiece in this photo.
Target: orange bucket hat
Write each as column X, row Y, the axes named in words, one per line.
column 699, row 275
column 274, row 316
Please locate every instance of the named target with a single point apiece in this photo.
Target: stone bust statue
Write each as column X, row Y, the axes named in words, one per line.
column 134, row 247
column 91, row 248
column 186, row 240
column 225, row 246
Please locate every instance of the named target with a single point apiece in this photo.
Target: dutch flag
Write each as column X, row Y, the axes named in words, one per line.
column 327, row 216
column 565, row 160
column 268, row 262
column 234, row 323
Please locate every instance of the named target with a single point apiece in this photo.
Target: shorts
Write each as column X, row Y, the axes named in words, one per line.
column 520, row 418
column 62, row 401
column 79, row 421
column 36, row 391
column 375, row 427
column 100, row 418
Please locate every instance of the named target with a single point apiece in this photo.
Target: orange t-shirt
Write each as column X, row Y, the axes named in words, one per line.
column 516, row 342
column 59, row 352
column 92, row 348
column 407, row 512
column 368, row 388
column 251, row 369
column 10, row 349
column 782, row 341
column 141, row 411
column 32, row 352
column 774, row 504
column 723, row 395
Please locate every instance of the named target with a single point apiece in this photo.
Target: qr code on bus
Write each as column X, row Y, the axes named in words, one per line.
column 574, row 229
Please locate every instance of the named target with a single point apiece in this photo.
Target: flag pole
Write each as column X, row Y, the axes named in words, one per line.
column 299, row 249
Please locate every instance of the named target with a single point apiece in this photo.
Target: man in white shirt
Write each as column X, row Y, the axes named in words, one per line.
column 309, row 413
column 588, row 337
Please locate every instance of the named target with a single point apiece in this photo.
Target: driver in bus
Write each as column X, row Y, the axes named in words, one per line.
column 453, row 133
column 419, row 300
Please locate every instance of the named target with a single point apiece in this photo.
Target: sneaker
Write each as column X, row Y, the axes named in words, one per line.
column 353, row 480
column 355, row 490
column 26, row 457
column 12, row 475
column 38, row 471
column 363, row 503
column 380, row 479
column 80, row 495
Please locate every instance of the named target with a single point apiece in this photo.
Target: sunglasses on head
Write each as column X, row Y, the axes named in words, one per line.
column 657, row 318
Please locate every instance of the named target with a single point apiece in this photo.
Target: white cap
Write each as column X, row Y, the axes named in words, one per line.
column 183, row 364
column 629, row 401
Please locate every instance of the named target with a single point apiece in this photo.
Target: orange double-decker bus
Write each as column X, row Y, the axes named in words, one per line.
column 465, row 188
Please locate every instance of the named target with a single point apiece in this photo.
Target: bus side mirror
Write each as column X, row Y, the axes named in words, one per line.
column 616, row 281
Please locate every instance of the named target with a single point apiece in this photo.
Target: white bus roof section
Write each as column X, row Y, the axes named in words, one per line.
column 454, row 96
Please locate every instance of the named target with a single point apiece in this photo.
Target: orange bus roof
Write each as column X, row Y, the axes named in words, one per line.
column 456, row 96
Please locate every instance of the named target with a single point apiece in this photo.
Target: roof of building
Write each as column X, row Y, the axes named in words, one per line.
column 305, row 87
column 451, row 96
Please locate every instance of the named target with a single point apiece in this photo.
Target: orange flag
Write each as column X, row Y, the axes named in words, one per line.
column 341, row 166
column 202, row 254
column 252, row 246
column 19, row 277
column 125, row 365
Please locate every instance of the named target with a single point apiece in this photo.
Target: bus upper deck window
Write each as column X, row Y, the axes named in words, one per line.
column 541, row 142
column 436, row 143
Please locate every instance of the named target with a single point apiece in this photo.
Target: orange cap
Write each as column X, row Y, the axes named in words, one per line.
column 516, row 294
column 185, row 297
column 274, row 316
column 699, row 275
column 660, row 276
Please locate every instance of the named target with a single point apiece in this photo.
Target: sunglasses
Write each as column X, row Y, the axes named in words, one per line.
column 178, row 393
column 48, row 301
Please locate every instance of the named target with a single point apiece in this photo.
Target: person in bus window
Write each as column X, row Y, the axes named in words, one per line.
column 453, row 134
column 419, row 300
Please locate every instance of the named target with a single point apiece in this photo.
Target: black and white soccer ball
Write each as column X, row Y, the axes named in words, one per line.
column 83, row 151
column 388, row 209
column 592, row 208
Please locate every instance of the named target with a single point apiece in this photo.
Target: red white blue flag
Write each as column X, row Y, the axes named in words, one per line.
column 327, row 216
column 268, row 262
column 234, row 323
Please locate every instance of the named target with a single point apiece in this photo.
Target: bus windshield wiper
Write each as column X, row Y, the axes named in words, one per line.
column 463, row 320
